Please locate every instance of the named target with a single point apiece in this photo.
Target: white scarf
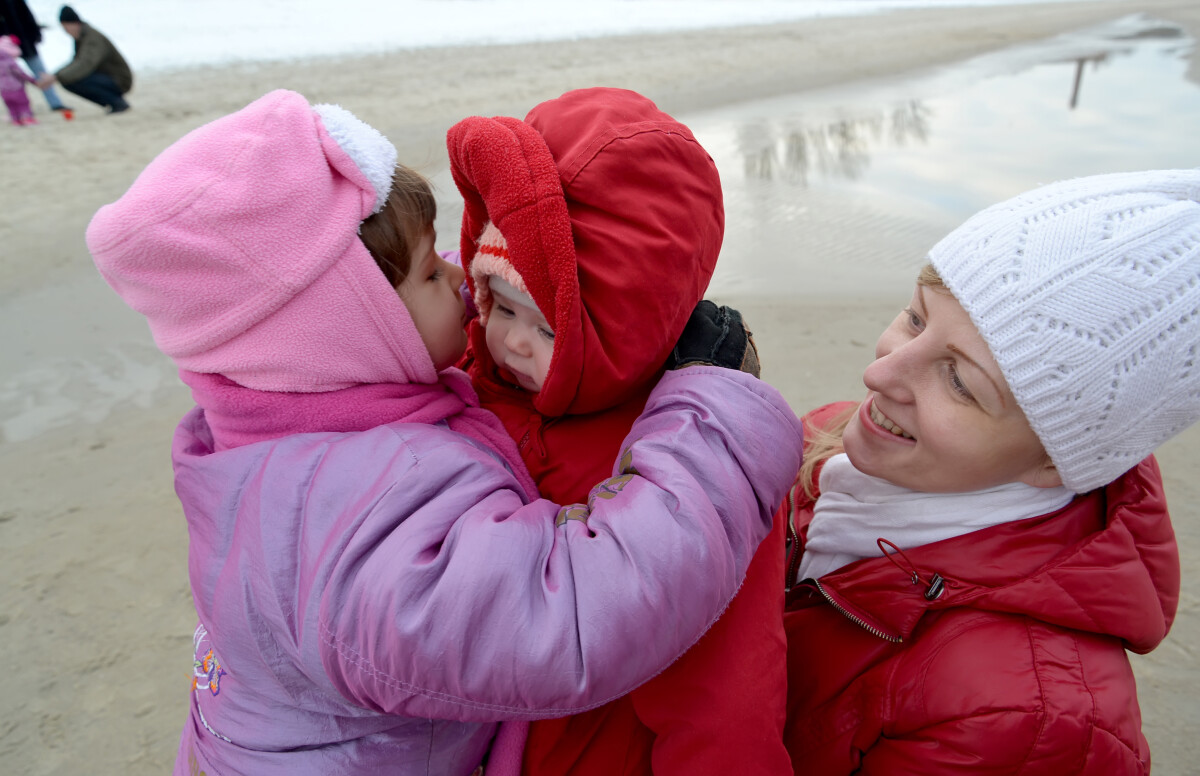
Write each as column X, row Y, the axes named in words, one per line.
column 856, row 509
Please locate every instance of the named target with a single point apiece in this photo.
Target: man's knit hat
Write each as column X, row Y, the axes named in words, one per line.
column 67, row 14
column 239, row 243
column 1087, row 291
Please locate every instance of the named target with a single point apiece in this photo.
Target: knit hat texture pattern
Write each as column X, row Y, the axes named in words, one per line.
column 492, row 261
column 239, row 243
column 1087, row 292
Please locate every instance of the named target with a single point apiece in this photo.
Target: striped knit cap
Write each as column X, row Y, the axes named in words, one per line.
column 492, row 261
column 1087, row 291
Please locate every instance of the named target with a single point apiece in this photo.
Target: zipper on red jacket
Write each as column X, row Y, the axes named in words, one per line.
column 793, row 564
column 533, row 441
column 856, row 620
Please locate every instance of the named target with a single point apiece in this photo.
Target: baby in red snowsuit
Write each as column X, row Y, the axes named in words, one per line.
column 590, row 232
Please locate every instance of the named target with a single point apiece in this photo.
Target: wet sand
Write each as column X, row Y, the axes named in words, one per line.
column 95, row 611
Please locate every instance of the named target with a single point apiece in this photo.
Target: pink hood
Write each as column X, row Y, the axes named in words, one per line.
column 239, row 243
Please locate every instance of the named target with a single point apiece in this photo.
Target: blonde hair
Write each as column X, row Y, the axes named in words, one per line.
column 821, row 444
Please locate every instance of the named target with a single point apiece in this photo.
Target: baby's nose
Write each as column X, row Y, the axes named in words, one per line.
column 517, row 341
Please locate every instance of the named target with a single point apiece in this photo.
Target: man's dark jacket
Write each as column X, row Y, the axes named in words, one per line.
column 94, row 53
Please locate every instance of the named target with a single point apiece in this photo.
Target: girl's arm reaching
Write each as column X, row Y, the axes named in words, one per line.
column 450, row 598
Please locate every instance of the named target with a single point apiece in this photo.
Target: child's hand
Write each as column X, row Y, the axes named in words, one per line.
column 717, row 336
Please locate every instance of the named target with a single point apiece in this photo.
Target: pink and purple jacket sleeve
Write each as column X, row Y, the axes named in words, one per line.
column 452, row 599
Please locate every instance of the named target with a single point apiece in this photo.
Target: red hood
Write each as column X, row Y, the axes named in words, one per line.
column 1106, row 563
column 613, row 216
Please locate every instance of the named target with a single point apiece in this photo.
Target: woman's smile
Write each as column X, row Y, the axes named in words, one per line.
column 883, row 421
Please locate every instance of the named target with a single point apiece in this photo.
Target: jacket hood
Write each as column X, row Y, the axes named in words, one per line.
column 1106, row 563
column 239, row 243
column 613, row 217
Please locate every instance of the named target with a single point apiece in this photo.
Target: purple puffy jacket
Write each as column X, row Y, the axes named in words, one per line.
column 374, row 602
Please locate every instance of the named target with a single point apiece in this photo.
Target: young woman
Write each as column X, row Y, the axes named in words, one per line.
column 980, row 540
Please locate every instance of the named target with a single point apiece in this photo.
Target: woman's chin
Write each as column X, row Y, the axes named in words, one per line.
column 859, row 451
column 852, row 443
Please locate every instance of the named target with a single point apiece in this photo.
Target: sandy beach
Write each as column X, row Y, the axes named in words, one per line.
column 95, row 609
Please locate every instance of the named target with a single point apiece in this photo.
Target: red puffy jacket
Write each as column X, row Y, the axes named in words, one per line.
column 1017, row 667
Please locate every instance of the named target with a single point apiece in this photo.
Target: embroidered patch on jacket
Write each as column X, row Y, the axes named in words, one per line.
column 605, row 490
column 194, row 764
column 206, row 668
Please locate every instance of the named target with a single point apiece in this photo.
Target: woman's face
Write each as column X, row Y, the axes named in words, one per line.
column 939, row 416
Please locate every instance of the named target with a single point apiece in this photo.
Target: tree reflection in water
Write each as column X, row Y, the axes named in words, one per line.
column 795, row 151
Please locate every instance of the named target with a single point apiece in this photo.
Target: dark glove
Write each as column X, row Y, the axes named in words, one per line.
column 717, row 336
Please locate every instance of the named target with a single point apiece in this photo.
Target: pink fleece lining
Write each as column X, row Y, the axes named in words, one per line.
column 508, row 749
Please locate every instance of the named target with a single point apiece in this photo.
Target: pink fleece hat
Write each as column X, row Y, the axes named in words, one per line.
column 239, row 243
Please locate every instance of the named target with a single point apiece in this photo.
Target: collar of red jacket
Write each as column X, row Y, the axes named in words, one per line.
column 1106, row 563
column 613, row 216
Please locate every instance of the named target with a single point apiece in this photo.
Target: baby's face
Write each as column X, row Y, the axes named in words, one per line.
column 520, row 340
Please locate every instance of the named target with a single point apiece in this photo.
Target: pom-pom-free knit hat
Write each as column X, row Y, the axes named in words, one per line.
column 492, row 268
column 67, row 14
column 1087, row 291
column 239, row 243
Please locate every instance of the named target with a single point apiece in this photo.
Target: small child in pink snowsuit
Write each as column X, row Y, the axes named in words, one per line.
column 12, row 82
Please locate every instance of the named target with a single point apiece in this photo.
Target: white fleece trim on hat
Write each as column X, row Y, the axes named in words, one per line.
column 371, row 151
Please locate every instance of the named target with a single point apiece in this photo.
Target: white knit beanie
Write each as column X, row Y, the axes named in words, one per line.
column 1087, row 291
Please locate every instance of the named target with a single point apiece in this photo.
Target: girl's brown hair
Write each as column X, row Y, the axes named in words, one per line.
column 392, row 233
column 821, row 444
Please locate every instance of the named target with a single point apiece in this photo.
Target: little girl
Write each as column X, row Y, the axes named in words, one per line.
column 985, row 535
column 375, row 581
column 12, row 82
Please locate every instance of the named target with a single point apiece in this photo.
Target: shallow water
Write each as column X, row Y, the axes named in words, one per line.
column 841, row 193
column 834, row 194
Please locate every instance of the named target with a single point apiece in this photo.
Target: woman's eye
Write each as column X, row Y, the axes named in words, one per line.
column 957, row 385
column 914, row 320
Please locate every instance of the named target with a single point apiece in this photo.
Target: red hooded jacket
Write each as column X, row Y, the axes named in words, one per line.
column 613, row 217
column 1017, row 667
